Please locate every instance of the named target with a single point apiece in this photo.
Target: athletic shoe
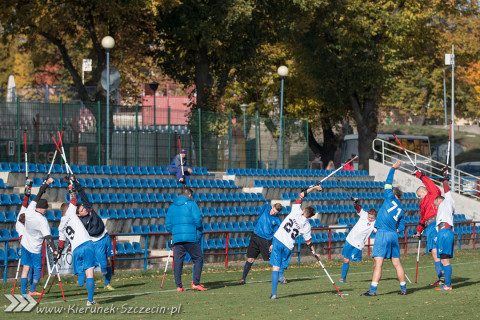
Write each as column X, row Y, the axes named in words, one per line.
column 199, row 287
column 368, row 294
column 109, row 287
column 273, row 297
column 444, row 288
column 35, row 293
column 93, row 303
column 342, row 281
column 180, row 290
column 402, row 292
column 241, row 282
column 283, row 280
column 438, row 283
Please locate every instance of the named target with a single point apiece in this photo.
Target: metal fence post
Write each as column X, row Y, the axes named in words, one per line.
column 256, row 140
column 200, row 137
column 18, row 130
column 99, row 133
column 308, row 156
column 229, row 139
column 136, row 135
column 283, row 143
column 168, row 152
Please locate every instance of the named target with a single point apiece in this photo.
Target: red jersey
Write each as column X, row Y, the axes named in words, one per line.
column 427, row 209
column 348, row 167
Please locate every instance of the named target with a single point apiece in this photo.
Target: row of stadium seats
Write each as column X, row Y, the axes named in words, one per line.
column 141, row 183
column 168, row 197
column 86, row 169
column 128, row 248
column 294, row 172
column 343, row 196
column 326, row 184
column 132, row 213
column 4, row 186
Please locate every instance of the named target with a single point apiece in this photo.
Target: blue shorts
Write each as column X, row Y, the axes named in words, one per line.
column 84, row 257
column 33, row 260
column 445, row 239
column 351, row 253
column 431, row 233
column 386, row 245
column 103, row 250
column 280, row 255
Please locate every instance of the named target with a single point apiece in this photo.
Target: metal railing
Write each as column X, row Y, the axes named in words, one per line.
column 387, row 153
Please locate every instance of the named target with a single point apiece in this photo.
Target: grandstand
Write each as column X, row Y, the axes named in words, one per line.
column 133, row 202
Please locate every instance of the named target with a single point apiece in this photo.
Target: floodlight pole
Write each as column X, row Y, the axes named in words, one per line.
column 453, row 120
column 108, row 43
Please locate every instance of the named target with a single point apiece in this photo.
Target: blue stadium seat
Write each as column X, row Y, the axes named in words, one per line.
column 137, row 248
column 129, row 248
column 119, row 249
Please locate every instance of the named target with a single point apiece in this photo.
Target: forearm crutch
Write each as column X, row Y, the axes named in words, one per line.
column 418, row 257
column 406, row 153
column 166, row 265
column 16, row 276
column 328, row 275
column 55, row 266
column 181, row 163
column 331, row 174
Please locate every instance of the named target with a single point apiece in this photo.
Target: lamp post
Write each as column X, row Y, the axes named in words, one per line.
column 282, row 72
column 244, row 108
column 450, row 60
column 108, row 43
column 154, row 86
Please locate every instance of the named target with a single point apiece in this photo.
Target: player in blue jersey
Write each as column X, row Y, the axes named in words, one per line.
column 390, row 221
column 261, row 241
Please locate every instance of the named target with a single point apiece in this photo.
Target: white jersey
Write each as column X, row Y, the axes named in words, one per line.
column 36, row 228
column 446, row 210
column 361, row 231
column 293, row 225
column 72, row 228
column 20, row 227
column 100, row 237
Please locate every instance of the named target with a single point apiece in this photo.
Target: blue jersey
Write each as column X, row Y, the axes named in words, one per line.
column 266, row 223
column 391, row 215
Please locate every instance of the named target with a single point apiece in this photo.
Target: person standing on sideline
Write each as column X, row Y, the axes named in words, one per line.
column 184, row 223
column 98, row 234
column 352, row 250
column 175, row 166
column 294, row 225
column 36, row 230
column 83, row 251
column 20, row 224
column 261, row 241
column 390, row 221
column 428, row 212
column 444, row 224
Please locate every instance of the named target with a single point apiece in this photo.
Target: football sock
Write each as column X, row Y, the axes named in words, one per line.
column 373, row 287
column 345, row 270
column 403, row 286
column 108, row 276
column 274, row 282
column 90, row 288
column 24, row 284
column 33, row 286
column 438, row 268
column 448, row 275
column 246, row 269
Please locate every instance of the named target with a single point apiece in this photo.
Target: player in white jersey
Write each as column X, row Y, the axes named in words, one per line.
column 36, row 230
column 20, row 224
column 72, row 228
column 294, row 225
column 445, row 237
column 352, row 250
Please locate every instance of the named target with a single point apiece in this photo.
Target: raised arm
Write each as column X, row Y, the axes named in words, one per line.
column 43, row 188
column 305, row 192
column 431, row 187
column 83, row 195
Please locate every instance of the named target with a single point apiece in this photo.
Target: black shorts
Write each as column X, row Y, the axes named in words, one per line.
column 259, row 245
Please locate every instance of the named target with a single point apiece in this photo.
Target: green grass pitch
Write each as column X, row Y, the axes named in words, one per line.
column 308, row 294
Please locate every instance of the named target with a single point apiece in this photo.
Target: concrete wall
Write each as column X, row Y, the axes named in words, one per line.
column 409, row 183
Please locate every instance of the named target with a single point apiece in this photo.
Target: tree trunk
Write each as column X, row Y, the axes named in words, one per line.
column 203, row 79
column 365, row 114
